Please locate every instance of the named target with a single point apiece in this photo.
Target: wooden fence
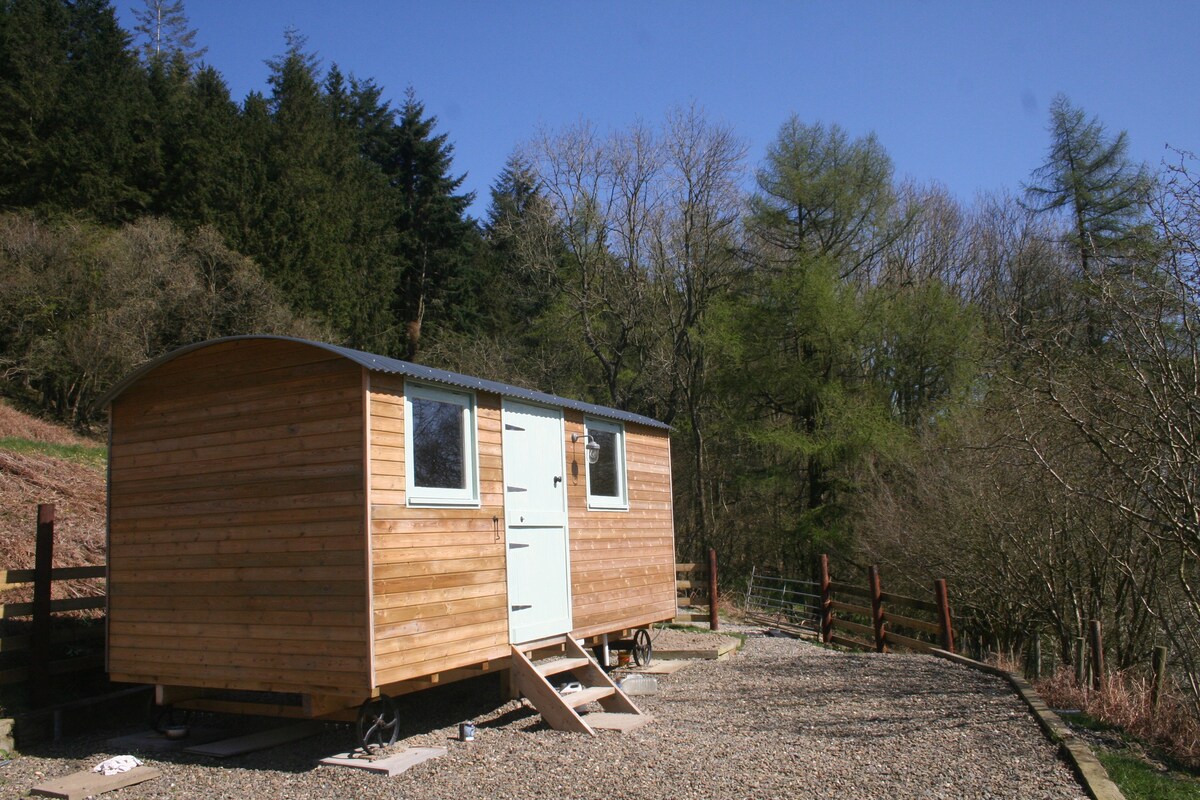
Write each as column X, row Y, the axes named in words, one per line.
column 41, row 639
column 877, row 609
column 698, row 581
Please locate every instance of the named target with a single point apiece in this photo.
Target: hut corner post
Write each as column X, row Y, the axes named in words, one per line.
column 714, row 621
column 43, row 567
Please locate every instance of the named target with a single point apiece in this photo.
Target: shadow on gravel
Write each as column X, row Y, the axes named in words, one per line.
column 419, row 713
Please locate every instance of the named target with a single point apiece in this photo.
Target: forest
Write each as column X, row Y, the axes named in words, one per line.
column 1004, row 393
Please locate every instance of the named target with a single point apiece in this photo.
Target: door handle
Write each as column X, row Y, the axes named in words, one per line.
column 557, row 480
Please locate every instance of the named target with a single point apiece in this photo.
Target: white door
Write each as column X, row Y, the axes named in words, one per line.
column 535, row 512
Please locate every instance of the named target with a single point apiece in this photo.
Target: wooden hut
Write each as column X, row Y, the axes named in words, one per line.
column 295, row 517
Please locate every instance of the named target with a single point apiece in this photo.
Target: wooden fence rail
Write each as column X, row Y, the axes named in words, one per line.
column 874, row 615
column 699, row 579
column 43, row 636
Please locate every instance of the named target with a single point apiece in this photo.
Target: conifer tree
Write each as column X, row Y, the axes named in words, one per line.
column 163, row 25
column 434, row 236
column 1088, row 174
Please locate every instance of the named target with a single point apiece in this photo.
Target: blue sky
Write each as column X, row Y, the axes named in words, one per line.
column 957, row 92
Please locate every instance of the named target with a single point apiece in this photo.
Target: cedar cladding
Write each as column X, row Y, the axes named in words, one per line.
column 245, row 478
column 236, row 552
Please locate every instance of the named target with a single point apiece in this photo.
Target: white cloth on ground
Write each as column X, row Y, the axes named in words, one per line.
column 116, row 765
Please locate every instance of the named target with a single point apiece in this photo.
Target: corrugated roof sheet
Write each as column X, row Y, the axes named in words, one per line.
column 395, row 366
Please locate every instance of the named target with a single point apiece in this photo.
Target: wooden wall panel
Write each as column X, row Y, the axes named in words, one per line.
column 622, row 562
column 236, row 545
column 439, row 593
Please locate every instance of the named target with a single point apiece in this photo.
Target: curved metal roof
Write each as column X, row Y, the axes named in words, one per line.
column 395, row 366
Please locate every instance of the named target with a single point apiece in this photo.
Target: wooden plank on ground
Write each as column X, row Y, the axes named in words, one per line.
column 662, row 668
column 391, row 765
column 256, row 741
column 79, row 785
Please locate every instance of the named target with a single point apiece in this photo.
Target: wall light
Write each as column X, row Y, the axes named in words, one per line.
column 592, row 448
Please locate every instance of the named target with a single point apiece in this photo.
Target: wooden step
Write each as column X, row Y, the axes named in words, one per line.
column 608, row 721
column 590, row 694
column 559, row 710
column 558, row 665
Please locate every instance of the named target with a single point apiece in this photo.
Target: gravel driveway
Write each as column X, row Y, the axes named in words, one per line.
column 781, row 719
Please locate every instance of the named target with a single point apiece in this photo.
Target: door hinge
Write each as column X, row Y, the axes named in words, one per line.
column 516, row 488
column 515, row 545
column 519, row 608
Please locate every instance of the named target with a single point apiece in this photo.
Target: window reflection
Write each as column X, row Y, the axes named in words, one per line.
column 438, row 444
column 604, row 473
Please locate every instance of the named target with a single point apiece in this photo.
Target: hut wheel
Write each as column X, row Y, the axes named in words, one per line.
column 378, row 725
column 643, row 648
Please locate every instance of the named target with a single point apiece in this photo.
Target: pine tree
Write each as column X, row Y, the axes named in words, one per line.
column 163, row 25
column 434, row 235
column 79, row 135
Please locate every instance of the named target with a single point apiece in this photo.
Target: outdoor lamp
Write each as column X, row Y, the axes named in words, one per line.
column 592, row 448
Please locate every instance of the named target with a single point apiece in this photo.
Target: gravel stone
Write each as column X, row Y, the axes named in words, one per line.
column 781, row 719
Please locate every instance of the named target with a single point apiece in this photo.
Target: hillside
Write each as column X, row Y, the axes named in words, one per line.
column 45, row 463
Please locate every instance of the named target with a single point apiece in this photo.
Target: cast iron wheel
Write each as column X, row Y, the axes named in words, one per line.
column 166, row 717
column 378, row 725
column 643, row 648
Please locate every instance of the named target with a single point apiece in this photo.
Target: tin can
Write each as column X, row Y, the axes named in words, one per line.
column 466, row 732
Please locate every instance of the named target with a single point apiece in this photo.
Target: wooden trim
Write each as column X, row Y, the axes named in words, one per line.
column 368, row 543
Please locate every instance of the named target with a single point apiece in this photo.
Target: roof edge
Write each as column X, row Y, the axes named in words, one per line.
column 377, row 363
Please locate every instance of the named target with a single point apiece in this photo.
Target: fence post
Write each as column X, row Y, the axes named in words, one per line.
column 43, row 566
column 876, row 589
column 826, row 601
column 1160, row 675
column 942, row 597
column 1080, row 661
column 1097, row 644
column 714, row 623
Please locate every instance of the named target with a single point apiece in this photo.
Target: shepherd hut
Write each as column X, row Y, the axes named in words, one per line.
column 293, row 517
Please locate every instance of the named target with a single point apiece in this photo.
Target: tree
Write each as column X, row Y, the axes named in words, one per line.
column 433, row 233
column 821, row 194
column 76, row 132
column 164, row 27
column 1089, row 175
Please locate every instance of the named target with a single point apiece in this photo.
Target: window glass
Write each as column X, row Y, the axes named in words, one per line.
column 606, row 477
column 440, row 448
column 438, row 444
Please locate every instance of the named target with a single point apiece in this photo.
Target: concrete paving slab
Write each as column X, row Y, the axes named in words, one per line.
column 388, row 765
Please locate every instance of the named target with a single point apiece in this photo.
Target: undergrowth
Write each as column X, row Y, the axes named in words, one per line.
column 1123, row 703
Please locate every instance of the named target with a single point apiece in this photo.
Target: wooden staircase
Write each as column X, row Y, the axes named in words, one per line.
column 535, row 663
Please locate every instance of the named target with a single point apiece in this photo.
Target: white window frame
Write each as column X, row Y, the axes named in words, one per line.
column 437, row 496
column 604, row 502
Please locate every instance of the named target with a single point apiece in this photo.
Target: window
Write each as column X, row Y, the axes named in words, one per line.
column 606, row 478
column 439, row 439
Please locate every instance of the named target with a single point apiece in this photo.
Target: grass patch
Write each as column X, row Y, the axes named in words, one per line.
column 87, row 455
column 1139, row 780
column 1081, row 720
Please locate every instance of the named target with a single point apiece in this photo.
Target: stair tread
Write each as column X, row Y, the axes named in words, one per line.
column 612, row 721
column 590, row 694
column 558, row 665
